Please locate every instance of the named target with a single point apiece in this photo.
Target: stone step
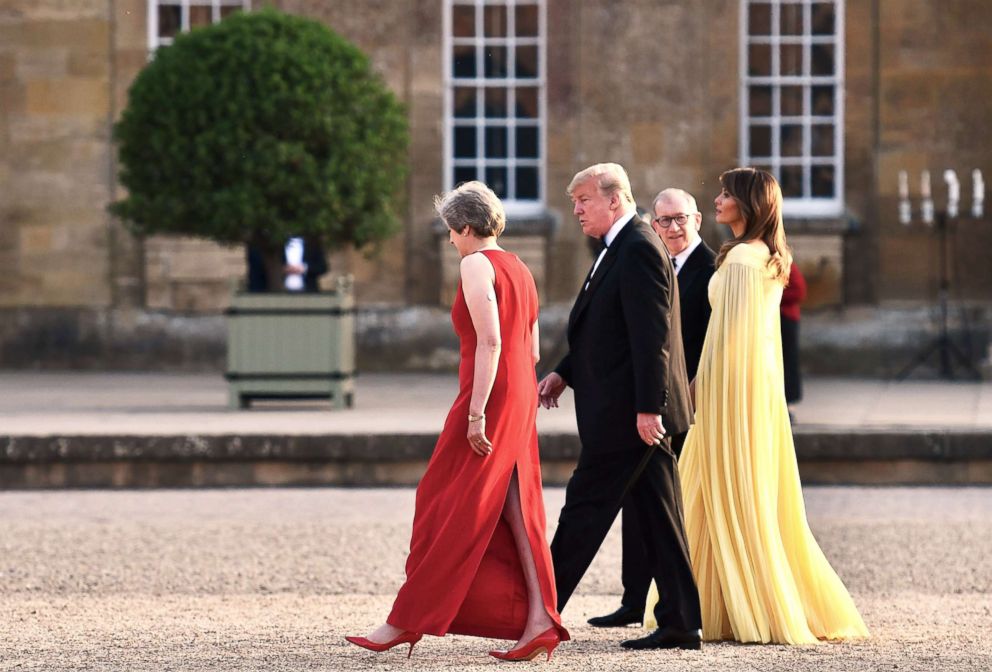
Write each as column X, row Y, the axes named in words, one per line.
column 827, row 455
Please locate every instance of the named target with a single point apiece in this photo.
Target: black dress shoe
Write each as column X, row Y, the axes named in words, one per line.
column 623, row 616
column 666, row 638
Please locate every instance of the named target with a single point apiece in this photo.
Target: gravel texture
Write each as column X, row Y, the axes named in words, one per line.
column 259, row 579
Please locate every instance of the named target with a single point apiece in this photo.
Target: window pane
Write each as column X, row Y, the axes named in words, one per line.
column 465, row 142
column 527, row 103
column 823, row 59
column 464, row 174
column 463, row 21
column 823, row 100
column 823, row 182
column 760, row 101
column 200, row 15
column 496, row 142
column 464, row 61
column 791, row 19
column 759, row 20
column 791, row 140
column 759, row 60
column 823, row 140
column 527, row 183
column 526, row 20
column 496, row 62
column 767, row 169
column 495, row 20
column 792, row 101
column 527, row 62
column 792, row 181
column 761, row 140
column 227, row 10
column 495, row 102
column 169, row 20
column 464, row 102
column 791, row 59
column 527, row 142
column 823, row 18
column 496, row 179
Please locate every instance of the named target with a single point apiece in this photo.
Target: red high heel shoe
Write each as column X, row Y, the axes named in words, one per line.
column 546, row 642
column 410, row 638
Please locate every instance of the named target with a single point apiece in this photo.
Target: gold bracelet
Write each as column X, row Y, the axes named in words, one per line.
column 476, row 418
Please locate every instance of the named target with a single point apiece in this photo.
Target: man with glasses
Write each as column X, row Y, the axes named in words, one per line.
column 676, row 220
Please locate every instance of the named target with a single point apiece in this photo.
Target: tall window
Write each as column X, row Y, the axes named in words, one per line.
column 168, row 18
column 494, row 97
column 792, row 99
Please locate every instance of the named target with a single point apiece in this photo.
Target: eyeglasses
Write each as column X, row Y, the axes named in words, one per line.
column 680, row 219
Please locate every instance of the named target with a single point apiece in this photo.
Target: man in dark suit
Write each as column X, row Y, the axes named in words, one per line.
column 299, row 274
column 626, row 367
column 676, row 220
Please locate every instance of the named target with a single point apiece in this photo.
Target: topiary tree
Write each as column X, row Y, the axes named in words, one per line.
column 258, row 128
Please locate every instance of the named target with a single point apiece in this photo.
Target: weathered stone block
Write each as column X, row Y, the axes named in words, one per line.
column 42, row 63
column 56, row 10
column 8, row 66
column 35, row 239
column 89, row 65
column 68, row 97
column 131, row 25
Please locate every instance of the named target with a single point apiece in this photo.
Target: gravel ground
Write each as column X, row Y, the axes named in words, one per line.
column 272, row 580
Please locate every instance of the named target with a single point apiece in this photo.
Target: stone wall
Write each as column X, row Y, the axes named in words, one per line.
column 55, row 158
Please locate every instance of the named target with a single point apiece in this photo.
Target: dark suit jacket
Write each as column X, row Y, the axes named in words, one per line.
column 625, row 345
column 694, row 280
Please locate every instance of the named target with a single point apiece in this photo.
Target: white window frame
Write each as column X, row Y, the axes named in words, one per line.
column 514, row 207
column 154, row 41
column 807, row 206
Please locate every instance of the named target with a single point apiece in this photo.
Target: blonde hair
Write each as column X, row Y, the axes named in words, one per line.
column 759, row 199
column 611, row 179
column 474, row 205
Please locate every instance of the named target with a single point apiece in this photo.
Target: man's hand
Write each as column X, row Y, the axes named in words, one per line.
column 549, row 389
column 650, row 428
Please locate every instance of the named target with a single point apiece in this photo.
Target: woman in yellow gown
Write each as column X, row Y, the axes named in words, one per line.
column 761, row 575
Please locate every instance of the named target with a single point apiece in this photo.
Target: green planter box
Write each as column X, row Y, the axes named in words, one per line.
column 292, row 346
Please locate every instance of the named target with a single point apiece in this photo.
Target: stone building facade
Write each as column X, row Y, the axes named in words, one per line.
column 836, row 96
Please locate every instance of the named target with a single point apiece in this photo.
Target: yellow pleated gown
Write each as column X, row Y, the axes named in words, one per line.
column 761, row 575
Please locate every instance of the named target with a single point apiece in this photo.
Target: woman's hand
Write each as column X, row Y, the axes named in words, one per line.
column 477, row 438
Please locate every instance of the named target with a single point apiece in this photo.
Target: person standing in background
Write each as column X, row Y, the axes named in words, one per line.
column 792, row 297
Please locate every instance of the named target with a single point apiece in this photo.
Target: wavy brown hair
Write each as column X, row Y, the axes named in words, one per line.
column 759, row 199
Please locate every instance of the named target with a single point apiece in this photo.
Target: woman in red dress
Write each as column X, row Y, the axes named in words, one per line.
column 479, row 559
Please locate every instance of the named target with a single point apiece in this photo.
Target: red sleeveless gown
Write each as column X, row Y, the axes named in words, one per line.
column 463, row 573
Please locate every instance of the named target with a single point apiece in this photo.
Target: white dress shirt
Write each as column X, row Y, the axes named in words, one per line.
column 608, row 239
column 294, row 257
column 684, row 255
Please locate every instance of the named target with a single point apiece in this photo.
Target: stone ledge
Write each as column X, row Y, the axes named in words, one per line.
column 835, row 457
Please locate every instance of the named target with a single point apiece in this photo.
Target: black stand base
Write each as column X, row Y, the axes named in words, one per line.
column 950, row 356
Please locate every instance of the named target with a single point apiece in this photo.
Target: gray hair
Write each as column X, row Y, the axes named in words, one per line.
column 611, row 179
column 672, row 193
column 474, row 205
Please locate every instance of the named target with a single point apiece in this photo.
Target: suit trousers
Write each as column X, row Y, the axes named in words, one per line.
column 593, row 499
column 635, row 569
